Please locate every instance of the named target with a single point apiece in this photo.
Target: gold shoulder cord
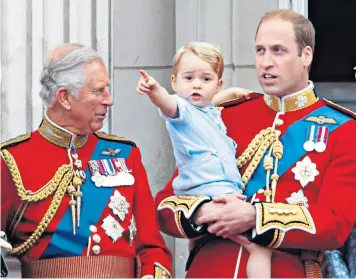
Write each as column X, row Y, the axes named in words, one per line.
column 255, row 151
column 57, row 184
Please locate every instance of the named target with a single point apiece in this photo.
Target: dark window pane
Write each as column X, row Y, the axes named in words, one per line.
column 335, row 50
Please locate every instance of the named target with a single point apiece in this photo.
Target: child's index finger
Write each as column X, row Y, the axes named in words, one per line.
column 144, row 75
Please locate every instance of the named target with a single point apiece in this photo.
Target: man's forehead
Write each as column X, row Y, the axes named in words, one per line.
column 275, row 32
column 96, row 73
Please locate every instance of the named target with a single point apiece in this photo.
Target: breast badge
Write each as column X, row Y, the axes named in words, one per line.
column 298, row 198
column 119, row 205
column 305, row 171
column 112, row 228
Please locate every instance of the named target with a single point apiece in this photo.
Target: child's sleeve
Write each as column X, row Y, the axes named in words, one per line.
column 183, row 111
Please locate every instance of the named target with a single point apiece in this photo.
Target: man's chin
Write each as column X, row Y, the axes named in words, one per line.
column 97, row 126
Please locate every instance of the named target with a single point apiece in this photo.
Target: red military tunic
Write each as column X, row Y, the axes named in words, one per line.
column 318, row 215
column 130, row 231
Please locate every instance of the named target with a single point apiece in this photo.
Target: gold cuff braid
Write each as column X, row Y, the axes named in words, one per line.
column 185, row 204
column 161, row 272
column 283, row 217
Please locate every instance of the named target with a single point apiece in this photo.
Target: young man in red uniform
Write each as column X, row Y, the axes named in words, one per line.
column 76, row 202
column 298, row 159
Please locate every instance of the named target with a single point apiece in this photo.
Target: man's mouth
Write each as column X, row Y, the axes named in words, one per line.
column 101, row 115
column 269, row 76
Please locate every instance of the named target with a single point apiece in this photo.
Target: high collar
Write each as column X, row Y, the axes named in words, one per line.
column 292, row 102
column 60, row 136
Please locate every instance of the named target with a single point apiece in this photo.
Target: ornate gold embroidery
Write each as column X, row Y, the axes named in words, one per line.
column 16, row 140
column 277, row 239
column 58, row 184
column 284, row 217
column 291, row 102
column 177, row 217
column 103, row 135
column 161, row 271
column 341, row 108
column 60, row 137
column 185, row 204
column 321, row 120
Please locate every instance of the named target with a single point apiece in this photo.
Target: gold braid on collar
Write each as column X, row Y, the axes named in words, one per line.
column 59, row 136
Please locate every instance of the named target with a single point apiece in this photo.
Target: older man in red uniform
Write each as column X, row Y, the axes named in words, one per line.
column 76, row 202
column 297, row 154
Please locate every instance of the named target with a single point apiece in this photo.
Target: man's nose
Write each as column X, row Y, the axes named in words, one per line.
column 267, row 60
column 107, row 98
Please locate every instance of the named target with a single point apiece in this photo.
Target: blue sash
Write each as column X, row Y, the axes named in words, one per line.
column 292, row 141
column 63, row 242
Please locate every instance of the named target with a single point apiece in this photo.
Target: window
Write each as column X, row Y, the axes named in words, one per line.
column 335, row 49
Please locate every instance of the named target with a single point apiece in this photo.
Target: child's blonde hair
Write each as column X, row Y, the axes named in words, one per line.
column 206, row 51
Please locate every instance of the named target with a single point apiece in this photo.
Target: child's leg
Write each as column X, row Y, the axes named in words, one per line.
column 259, row 262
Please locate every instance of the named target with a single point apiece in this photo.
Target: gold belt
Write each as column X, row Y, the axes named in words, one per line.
column 80, row 267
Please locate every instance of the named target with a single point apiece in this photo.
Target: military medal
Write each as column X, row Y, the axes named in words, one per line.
column 119, row 205
column 322, row 136
column 110, row 173
column 124, row 174
column 305, row 171
column 309, row 145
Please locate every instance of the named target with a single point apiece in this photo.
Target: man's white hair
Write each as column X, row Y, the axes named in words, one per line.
column 65, row 69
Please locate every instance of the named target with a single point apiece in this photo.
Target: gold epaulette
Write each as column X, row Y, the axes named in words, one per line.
column 15, row 141
column 242, row 100
column 102, row 135
column 340, row 108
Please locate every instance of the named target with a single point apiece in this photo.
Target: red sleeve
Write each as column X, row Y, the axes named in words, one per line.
column 175, row 212
column 152, row 252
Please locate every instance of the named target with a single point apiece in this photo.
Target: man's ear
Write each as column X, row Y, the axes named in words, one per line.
column 64, row 98
column 173, row 83
column 220, row 83
column 307, row 56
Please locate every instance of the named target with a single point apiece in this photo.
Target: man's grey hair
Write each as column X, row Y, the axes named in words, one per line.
column 66, row 70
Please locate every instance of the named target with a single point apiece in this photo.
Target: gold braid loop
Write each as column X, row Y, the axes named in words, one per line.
column 252, row 147
column 47, row 218
column 58, row 184
column 266, row 142
column 278, row 149
column 268, row 163
column 40, row 194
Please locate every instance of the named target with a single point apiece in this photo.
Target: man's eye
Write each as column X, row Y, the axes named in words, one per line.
column 278, row 50
column 259, row 49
